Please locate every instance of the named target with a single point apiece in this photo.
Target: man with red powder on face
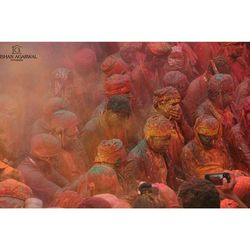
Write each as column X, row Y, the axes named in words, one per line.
column 147, row 75
column 73, row 160
column 113, row 64
column 87, row 81
column 219, row 103
column 166, row 102
column 240, row 141
column 148, row 160
column 111, row 123
column 198, row 87
column 206, row 153
column 39, row 167
column 183, row 59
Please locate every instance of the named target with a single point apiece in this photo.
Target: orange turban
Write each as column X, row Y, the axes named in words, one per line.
column 114, row 65
column 159, row 48
column 174, row 78
column 104, row 178
column 15, row 189
column 110, row 151
column 117, row 85
column 63, row 119
column 45, row 145
column 165, row 94
column 207, row 125
column 157, row 125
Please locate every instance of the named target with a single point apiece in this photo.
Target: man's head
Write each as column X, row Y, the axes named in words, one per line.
column 159, row 48
column 178, row 80
column 207, row 131
column 45, row 148
column 157, row 132
column 64, row 126
column 118, row 84
column 111, row 152
column 113, row 65
column 13, row 194
column 62, row 82
column 167, row 102
column 117, row 111
column 52, row 105
column 221, row 90
column 102, row 179
column 129, row 50
column 158, row 52
column 220, row 65
column 84, row 60
column 176, row 59
column 198, row 194
column 245, row 112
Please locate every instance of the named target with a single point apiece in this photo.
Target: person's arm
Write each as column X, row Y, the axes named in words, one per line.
column 188, row 164
column 40, row 185
column 168, row 195
column 226, row 190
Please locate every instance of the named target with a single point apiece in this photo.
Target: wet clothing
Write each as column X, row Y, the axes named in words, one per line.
column 196, row 161
column 146, row 165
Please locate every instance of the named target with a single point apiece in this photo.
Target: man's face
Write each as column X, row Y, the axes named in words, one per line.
column 176, row 60
column 208, row 141
column 70, row 135
column 227, row 95
column 46, row 162
column 159, row 144
column 117, row 120
column 182, row 88
column 171, row 108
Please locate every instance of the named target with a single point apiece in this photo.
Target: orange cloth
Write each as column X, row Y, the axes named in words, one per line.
column 157, row 125
column 117, row 84
column 114, row 65
column 110, row 151
column 165, row 94
column 198, row 161
column 7, row 172
column 15, row 189
column 159, row 48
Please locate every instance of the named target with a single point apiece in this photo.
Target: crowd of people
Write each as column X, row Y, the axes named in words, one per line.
column 131, row 125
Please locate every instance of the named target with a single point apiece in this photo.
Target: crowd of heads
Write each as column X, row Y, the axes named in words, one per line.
column 128, row 125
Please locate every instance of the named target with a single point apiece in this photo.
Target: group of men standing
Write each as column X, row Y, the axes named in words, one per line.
column 117, row 116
